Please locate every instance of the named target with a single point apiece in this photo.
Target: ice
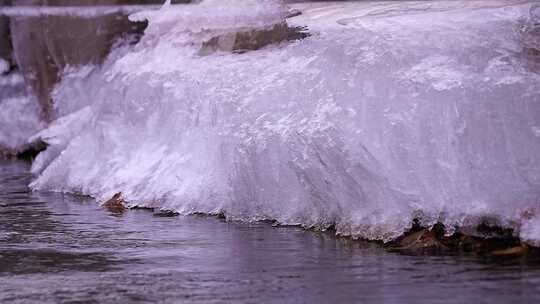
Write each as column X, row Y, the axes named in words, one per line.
column 19, row 119
column 389, row 111
column 19, row 113
column 4, row 66
column 214, row 14
column 192, row 25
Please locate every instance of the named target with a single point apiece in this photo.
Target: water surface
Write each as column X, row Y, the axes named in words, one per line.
column 60, row 248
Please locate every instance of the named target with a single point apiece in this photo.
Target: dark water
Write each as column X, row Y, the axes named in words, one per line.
column 59, row 248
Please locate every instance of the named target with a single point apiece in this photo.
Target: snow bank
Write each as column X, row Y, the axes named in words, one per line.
column 388, row 111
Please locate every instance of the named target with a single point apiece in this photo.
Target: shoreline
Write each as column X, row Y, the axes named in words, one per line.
column 497, row 241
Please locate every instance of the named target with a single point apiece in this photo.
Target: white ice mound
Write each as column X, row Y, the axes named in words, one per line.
column 387, row 112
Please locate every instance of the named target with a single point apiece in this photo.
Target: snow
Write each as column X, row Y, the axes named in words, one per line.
column 389, row 111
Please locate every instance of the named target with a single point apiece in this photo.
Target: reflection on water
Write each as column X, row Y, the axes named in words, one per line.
column 61, row 248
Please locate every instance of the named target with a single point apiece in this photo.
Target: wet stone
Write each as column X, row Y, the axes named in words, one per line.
column 116, row 204
column 165, row 213
column 423, row 241
column 516, row 251
column 492, row 240
column 243, row 40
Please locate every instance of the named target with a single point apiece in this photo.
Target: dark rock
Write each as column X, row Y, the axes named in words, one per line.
column 459, row 242
column 165, row 213
column 416, row 226
column 297, row 33
column 516, row 251
column 420, row 242
column 142, row 208
column 116, row 204
column 244, row 40
column 32, row 150
column 28, row 152
column 293, row 13
column 438, row 230
column 492, row 240
column 487, row 229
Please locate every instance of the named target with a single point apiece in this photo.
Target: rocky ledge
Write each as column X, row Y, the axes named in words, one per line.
column 243, row 40
column 28, row 152
column 488, row 240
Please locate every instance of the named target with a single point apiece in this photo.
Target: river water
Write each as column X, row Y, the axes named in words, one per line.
column 61, row 248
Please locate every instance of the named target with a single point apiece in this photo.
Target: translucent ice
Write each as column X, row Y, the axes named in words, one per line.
column 19, row 119
column 4, row 66
column 388, row 111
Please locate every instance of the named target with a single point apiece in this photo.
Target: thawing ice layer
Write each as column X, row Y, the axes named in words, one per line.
column 389, row 111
